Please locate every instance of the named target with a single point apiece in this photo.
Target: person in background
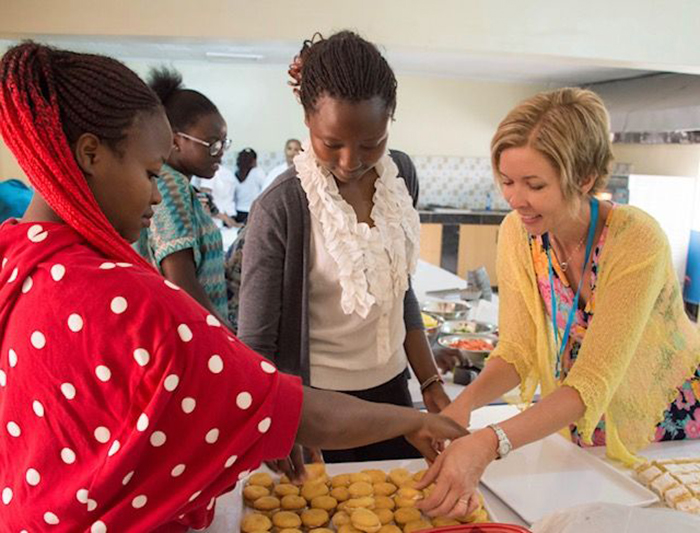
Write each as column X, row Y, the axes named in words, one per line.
column 183, row 241
column 219, row 201
column 590, row 306
column 291, row 148
column 14, row 199
column 126, row 406
column 248, row 183
column 330, row 246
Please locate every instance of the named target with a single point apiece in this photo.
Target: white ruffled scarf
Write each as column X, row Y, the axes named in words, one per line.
column 371, row 271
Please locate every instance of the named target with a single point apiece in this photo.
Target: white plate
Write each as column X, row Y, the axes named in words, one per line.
column 554, row 474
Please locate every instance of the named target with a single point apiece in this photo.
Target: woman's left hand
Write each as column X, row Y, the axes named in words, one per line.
column 435, row 398
column 457, row 472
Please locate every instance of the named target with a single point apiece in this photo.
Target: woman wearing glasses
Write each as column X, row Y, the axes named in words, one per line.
column 183, row 241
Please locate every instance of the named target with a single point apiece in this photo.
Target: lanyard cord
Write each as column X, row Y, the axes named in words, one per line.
column 574, row 305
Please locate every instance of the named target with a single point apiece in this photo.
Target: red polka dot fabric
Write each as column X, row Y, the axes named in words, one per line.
column 124, row 405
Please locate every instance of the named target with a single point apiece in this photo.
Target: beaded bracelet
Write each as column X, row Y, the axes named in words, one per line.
column 428, row 382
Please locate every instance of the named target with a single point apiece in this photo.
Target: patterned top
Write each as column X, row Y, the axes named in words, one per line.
column 180, row 222
column 124, row 404
column 680, row 418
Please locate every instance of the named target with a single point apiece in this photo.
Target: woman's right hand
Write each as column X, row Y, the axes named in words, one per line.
column 432, row 432
column 446, row 358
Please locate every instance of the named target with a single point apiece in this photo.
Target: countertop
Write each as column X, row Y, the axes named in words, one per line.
column 449, row 215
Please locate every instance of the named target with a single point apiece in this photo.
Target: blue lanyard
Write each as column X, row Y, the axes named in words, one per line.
column 574, row 304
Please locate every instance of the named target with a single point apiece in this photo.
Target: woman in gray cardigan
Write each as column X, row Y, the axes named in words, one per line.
column 331, row 244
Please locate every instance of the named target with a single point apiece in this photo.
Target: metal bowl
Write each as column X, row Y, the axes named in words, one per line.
column 472, row 357
column 446, row 309
column 467, row 326
column 432, row 332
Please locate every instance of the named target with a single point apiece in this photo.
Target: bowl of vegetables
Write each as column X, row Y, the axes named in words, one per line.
column 433, row 324
column 452, row 327
column 473, row 348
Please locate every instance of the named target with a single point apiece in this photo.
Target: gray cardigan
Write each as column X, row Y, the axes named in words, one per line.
column 274, row 295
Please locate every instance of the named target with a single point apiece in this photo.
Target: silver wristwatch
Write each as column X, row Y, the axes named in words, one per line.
column 504, row 445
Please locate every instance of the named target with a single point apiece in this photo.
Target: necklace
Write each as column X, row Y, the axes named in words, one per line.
column 565, row 264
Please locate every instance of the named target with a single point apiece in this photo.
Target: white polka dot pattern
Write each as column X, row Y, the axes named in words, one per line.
column 178, row 470
column 75, row 322
column 142, row 422
column 188, row 405
column 68, row 456
column 195, row 495
column 118, row 305
column 33, row 477
column 91, row 505
column 172, row 285
column 244, row 400
column 7, row 495
column 27, row 285
column 13, row 275
column 57, row 272
column 141, row 356
column 82, row 496
column 158, row 438
column 127, row 478
column 3, row 378
column 213, row 321
column 38, row 408
column 216, row 364
column 103, row 373
column 68, row 390
column 171, row 382
column 114, row 448
column 51, row 519
column 230, row 461
column 139, row 501
column 102, row 435
column 12, row 358
column 36, row 233
column 268, row 368
column 185, row 332
column 38, row 340
column 98, row 527
column 212, row 436
column 108, row 266
column 13, row 429
column 264, row 425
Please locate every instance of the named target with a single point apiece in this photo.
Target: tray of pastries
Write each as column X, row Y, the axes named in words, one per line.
column 343, row 498
column 676, row 481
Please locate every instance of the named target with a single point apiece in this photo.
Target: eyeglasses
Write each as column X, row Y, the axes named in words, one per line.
column 215, row 148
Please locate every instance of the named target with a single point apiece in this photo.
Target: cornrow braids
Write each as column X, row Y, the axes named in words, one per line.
column 343, row 66
column 48, row 98
column 182, row 106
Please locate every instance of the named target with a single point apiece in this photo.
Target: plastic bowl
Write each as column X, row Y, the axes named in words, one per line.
column 452, row 327
column 447, row 309
column 472, row 357
column 432, row 331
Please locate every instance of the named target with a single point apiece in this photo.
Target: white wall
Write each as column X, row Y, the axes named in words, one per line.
column 660, row 159
column 435, row 116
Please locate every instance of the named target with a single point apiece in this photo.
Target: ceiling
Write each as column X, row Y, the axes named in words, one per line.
column 516, row 68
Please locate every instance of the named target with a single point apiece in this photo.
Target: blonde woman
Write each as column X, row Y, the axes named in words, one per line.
column 591, row 309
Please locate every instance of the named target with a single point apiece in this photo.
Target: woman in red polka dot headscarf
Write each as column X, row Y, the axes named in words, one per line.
column 124, row 404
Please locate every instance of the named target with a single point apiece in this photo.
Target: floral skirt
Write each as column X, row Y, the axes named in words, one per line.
column 681, row 419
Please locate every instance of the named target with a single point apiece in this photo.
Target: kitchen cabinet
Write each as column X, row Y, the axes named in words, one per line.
column 431, row 243
column 477, row 247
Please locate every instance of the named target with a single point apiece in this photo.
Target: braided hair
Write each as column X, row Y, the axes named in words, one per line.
column 48, row 99
column 343, row 66
column 184, row 107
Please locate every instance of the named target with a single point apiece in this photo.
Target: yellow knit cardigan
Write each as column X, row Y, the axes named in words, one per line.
column 638, row 348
